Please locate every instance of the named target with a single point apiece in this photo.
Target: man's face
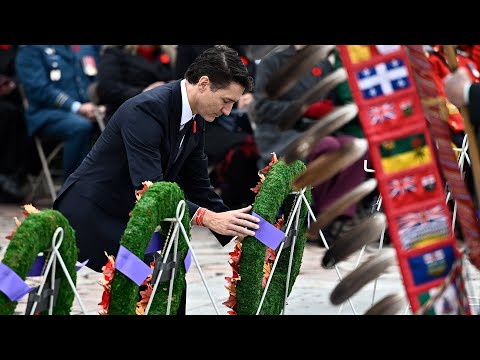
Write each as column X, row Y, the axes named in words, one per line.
column 215, row 103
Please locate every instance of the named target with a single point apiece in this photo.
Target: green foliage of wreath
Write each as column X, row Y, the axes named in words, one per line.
column 273, row 193
column 157, row 203
column 33, row 236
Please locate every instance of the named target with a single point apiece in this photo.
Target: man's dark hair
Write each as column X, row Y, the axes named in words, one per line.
column 222, row 65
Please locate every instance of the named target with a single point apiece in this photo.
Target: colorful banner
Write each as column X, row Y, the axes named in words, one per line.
column 402, row 152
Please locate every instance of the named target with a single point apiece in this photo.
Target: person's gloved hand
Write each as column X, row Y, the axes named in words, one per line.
column 456, row 87
column 319, row 109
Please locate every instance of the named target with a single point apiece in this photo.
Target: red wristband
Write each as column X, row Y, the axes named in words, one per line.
column 199, row 217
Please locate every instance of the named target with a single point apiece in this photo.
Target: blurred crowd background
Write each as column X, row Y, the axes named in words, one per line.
column 59, row 98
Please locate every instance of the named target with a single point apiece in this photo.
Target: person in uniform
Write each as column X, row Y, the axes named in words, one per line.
column 55, row 80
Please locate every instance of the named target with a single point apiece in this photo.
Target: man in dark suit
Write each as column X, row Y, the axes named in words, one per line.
column 153, row 136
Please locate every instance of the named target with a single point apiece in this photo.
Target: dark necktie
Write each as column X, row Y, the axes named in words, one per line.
column 182, row 140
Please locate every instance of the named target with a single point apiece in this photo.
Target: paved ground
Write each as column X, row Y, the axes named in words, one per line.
column 310, row 294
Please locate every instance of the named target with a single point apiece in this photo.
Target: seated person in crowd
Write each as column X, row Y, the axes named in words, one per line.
column 16, row 148
column 438, row 59
column 270, row 138
column 55, row 80
column 127, row 70
column 441, row 71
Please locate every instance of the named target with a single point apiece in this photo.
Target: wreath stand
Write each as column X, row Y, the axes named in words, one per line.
column 37, row 298
column 289, row 240
column 162, row 266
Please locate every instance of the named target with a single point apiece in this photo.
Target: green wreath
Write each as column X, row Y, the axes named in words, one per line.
column 274, row 193
column 158, row 202
column 34, row 235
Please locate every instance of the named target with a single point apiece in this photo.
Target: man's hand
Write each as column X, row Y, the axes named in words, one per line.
column 101, row 110
column 455, row 87
column 88, row 110
column 245, row 100
column 231, row 223
column 154, row 85
column 7, row 87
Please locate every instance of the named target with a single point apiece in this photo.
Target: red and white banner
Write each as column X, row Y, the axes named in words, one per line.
column 405, row 162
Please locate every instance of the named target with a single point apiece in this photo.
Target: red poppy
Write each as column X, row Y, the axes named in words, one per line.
column 146, row 185
column 103, row 310
column 279, row 223
column 244, row 60
column 264, row 172
column 28, row 209
column 164, row 59
column 316, row 71
column 235, row 254
column 9, row 237
column 256, row 189
column 270, row 255
column 145, row 294
column 231, row 302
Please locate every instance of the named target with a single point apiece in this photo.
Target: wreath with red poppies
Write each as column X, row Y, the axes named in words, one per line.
column 252, row 261
column 32, row 236
column 121, row 296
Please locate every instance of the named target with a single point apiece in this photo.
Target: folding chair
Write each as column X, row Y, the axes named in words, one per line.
column 45, row 173
column 46, row 160
column 94, row 98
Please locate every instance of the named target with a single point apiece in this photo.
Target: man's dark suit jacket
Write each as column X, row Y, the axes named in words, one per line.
column 140, row 143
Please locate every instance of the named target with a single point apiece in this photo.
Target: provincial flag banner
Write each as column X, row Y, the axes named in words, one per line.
column 429, row 183
column 387, row 49
column 421, row 228
column 450, row 298
column 406, row 106
column 402, row 186
column 404, row 153
column 432, row 265
column 412, row 188
column 446, row 304
column 380, row 117
column 393, row 114
column 359, row 53
column 381, row 113
column 383, row 79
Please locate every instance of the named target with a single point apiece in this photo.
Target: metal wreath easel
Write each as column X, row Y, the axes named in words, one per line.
column 175, row 235
column 51, row 268
column 293, row 233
